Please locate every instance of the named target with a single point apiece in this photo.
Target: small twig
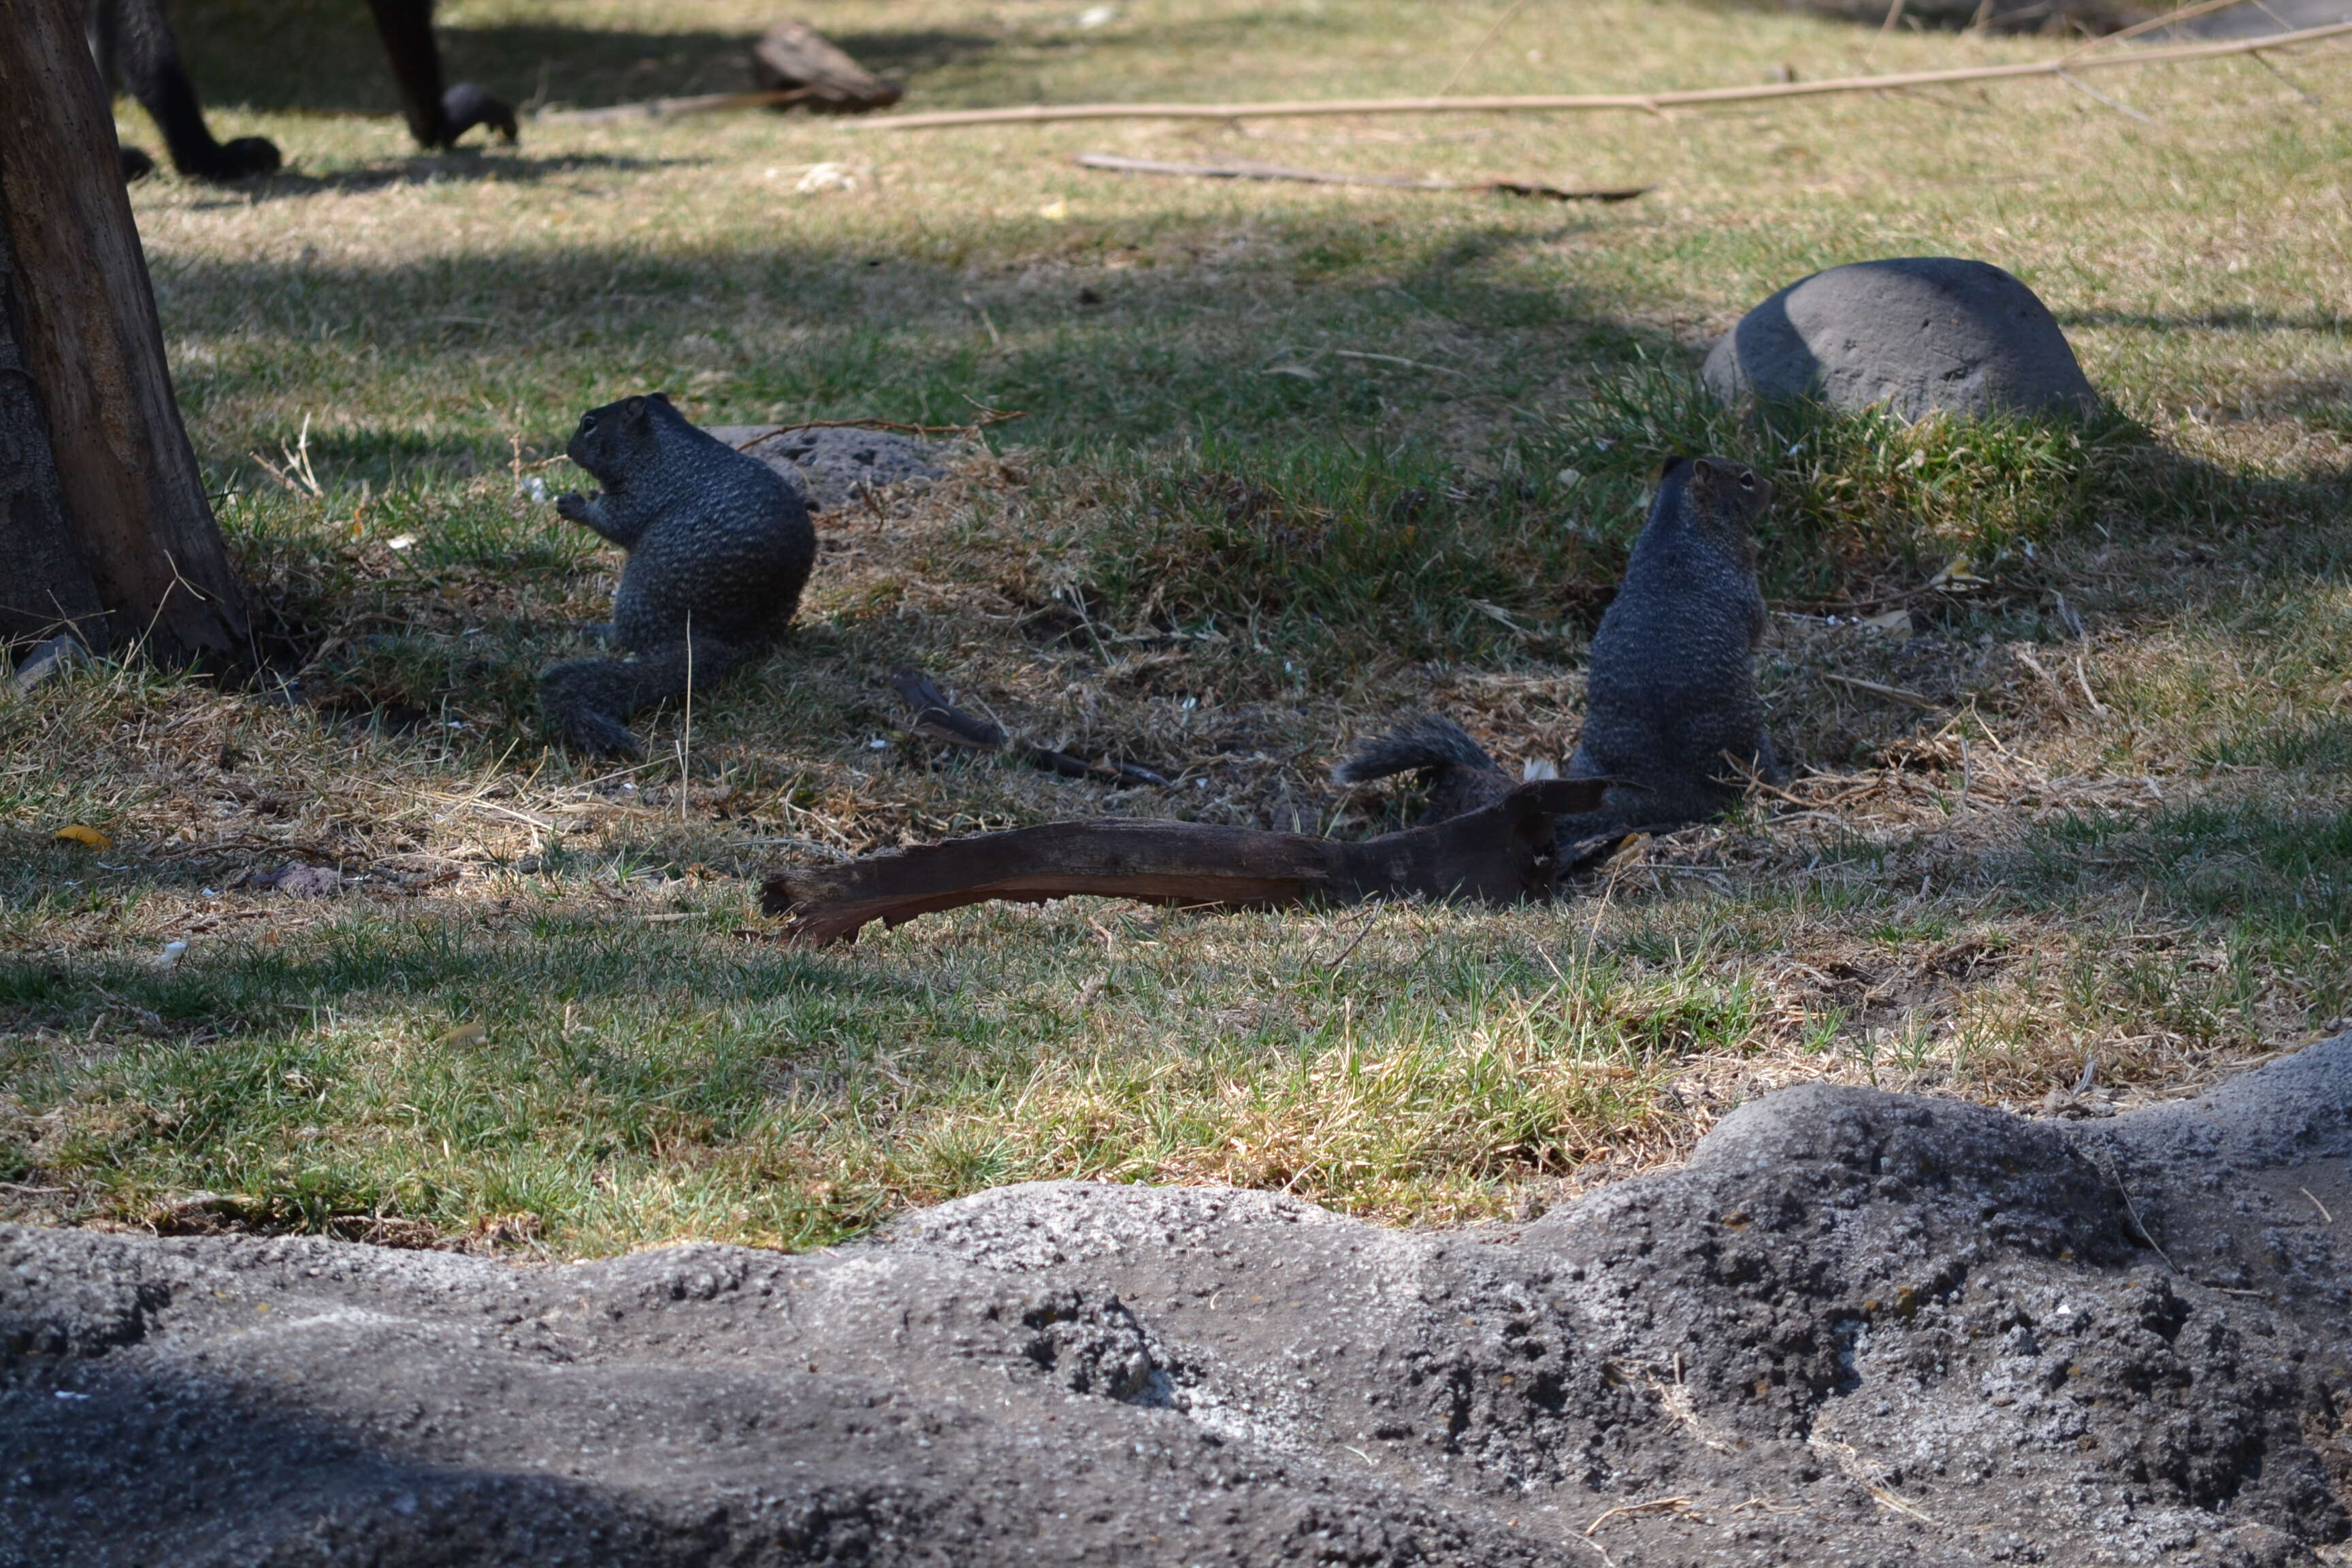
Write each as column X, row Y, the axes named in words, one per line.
column 995, row 338
column 2292, row 86
column 2158, row 23
column 1115, row 164
column 1894, row 693
column 1550, row 104
column 1340, row 962
column 937, row 717
column 2325, row 1217
column 1396, row 359
column 1604, row 1518
column 1480, row 47
column 2132, row 1209
column 993, row 417
column 2083, row 681
column 2117, row 104
column 669, row 108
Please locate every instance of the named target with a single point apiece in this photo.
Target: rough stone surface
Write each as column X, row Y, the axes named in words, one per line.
column 1857, row 1329
column 835, row 465
column 1919, row 334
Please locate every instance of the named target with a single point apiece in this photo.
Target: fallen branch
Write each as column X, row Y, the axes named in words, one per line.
column 993, row 417
column 671, row 107
column 1114, row 163
column 1500, row 854
column 1909, row 698
column 1648, row 102
column 936, row 717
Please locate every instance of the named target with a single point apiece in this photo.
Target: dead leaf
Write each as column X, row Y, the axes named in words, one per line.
column 81, row 833
column 463, row 1036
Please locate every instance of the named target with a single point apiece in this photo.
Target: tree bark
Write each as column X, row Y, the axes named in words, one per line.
column 1502, row 854
column 104, row 526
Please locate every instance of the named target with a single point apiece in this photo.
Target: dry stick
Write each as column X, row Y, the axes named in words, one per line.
column 1113, row 163
column 1638, row 1507
column 1480, row 47
column 1896, row 693
column 1647, row 102
column 2293, row 86
column 993, row 416
column 2158, row 23
column 668, row 108
column 2071, row 79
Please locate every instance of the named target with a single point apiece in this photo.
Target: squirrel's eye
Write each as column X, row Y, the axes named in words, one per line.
column 1748, row 481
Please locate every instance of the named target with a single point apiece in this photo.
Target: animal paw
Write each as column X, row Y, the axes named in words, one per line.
column 595, row 735
column 465, row 106
column 136, row 164
column 572, row 505
column 239, row 160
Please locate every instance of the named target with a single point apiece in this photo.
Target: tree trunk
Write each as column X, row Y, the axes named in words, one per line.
column 104, row 527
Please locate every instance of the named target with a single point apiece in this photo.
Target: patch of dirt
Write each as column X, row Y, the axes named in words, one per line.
column 1856, row 1327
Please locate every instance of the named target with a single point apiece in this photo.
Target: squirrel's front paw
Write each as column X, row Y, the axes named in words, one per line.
column 572, row 505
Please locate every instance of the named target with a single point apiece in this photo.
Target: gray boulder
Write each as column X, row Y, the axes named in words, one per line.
column 1919, row 334
column 1857, row 1328
column 835, row 465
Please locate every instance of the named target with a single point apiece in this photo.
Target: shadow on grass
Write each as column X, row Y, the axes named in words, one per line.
column 467, row 164
column 308, row 55
column 1101, row 361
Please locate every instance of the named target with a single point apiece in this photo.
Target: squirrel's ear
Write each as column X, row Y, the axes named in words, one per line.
column 660, row 397
column 1704, row 470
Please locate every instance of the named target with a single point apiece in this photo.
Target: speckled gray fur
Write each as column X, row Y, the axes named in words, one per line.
column 719, row 547
column 1670, row 698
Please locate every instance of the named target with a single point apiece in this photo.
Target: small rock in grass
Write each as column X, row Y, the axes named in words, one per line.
column 834, row 464
column 1919, row 334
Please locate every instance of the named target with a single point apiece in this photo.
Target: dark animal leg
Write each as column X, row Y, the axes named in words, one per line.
column 590, row 699
column 134, row 46
column 436, row 117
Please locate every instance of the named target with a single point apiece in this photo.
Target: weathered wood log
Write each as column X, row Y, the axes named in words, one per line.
column 791, row 57
column 1501, row 855
column 104, row 527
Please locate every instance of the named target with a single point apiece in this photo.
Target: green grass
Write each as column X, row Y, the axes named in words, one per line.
column 1295, row 461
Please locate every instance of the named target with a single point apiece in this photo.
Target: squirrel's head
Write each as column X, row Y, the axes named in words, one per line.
column 1719, row 488
column 615, row 440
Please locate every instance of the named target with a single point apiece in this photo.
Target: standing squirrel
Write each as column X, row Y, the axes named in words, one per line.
column 719, row 548
column 1670, row 700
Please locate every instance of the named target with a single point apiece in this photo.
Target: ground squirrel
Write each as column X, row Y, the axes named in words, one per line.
column 719, row 547
column 1671, row 708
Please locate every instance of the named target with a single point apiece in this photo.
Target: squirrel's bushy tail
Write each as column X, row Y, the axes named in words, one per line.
column 1429, row 742
column 589, row 699
column 1461, row 777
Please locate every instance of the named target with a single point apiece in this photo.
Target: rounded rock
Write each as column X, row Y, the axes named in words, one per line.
column 1916, row 335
